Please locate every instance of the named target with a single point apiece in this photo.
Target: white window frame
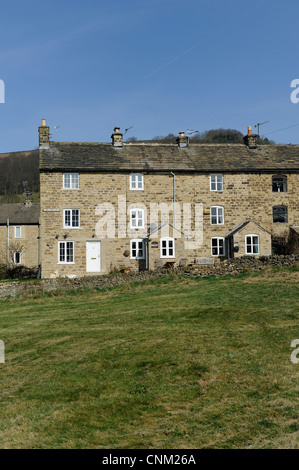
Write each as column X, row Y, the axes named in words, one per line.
column 64, row 261
column 16, row 229
column 137, row 248
column 215, row 180
column 14, row 258
column 71, row 218
column 218, row 246
column 136, row 210
column 71, row 182
column 135, row 184
column 167, row 239
column 217, row 215
column 252, row 244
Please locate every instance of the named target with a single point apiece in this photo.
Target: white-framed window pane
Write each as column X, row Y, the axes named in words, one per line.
column 137, row 249
column 18, row 232
column 69, row 252
column 67, row 180
column 75, row 180
column 216, row 182
column 71, row 180
column 136, row 181
column 220, row 215
column 67, row 218
column 66, row 252
column 252, row 244
column 62, row 252
column 217, row 245
column 17, row 257
column 137, row 218
column 75, row 218
column 167, row 248
column 217, row 215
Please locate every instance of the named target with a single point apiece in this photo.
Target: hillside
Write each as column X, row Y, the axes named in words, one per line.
column 170, row 363
column 15, row 168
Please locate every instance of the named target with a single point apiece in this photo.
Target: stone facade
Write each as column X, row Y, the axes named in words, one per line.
column 27, row 245
column 19, row 234
column 244, row 197
column 93, row 196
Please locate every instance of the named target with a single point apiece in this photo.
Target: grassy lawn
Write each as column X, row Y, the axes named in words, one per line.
column 170, row 363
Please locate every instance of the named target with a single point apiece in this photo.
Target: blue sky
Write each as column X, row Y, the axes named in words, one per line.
column 158, row 65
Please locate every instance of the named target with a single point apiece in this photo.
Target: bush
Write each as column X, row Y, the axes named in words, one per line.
column 18, row 272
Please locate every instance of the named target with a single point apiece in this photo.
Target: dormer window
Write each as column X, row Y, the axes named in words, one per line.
column 279, row 184
column 136, row 182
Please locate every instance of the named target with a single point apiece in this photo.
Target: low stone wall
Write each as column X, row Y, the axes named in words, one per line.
column 231, row 266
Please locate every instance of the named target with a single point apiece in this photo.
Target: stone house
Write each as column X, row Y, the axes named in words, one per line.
column 107, row 206
column 19, row 234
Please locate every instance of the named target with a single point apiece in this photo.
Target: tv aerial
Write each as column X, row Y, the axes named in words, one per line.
column 191, row 132
column 258, row 126
column 128, row 128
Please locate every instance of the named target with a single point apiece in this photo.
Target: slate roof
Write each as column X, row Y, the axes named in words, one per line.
column 19, row 214
column 103, row 157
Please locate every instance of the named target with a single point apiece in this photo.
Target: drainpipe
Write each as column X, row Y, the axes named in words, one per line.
column 7, row 255
column 39, row 274
column 173, row 198
column 146, row 253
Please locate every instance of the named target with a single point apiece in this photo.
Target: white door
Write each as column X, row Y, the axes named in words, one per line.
column 93, row 257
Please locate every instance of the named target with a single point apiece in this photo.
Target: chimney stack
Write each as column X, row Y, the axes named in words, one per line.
column 44, row 135
column 28, row 198
column 250, row 139
column 182, row 140
column 117, row 138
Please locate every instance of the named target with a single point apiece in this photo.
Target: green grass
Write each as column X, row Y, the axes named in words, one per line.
column 170, row 363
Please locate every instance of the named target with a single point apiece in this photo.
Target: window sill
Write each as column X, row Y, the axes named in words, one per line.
column 66, row 263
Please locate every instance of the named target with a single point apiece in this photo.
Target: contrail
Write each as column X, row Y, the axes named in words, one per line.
column 174, row 59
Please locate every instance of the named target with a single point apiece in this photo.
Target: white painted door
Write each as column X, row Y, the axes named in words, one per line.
column 93, row 257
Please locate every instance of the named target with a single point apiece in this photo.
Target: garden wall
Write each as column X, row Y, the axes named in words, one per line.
column 231, row 266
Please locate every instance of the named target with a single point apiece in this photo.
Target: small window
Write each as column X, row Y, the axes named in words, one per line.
column 280, row 214
column 71, row 181
column 167, row 248
column 136, row 181
column 66, row 252
column 18, row 232
column 218, row 246
column 137, row 249
column 71, row 218
column 217, row 215
column 279, row 184
column 252, row 244
column 17, row 257
column 216, row 182
column 137, row 218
